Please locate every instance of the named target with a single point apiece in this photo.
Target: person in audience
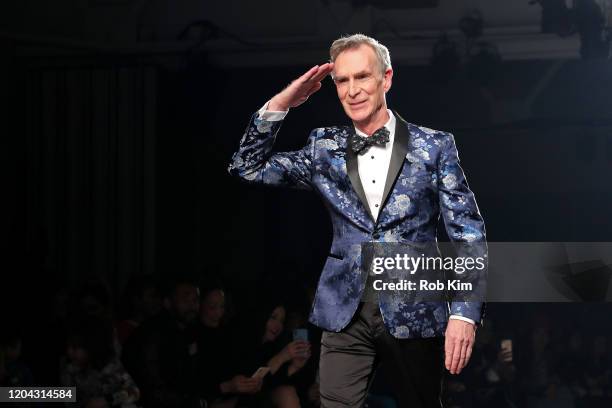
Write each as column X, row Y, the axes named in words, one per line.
column 13, row 371
column 94, row 298
column 598, row 373
column 306, row 383
column 141, row 301
column 220, row 386
column 92, row 366
column 162, row 353
column 538, row 363
column 491, row 380
column 261, row 343
column 572, row 365
column 52, row 327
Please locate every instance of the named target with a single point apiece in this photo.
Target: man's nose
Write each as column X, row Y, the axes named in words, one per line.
column 353, row 88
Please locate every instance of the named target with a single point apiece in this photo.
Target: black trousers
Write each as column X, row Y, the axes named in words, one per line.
column 349, row 360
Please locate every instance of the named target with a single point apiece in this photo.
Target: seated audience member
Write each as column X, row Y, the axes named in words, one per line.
column 598, row 374
column 306, row 382
column 93, row 368
column 13, row 371
column 540, row 364
column 141, row 301
column 94, row 298
column 572, row 369
column 490, row 379
column 52, row 327
column 220, row 387
column 162, row 352
column 260, row 342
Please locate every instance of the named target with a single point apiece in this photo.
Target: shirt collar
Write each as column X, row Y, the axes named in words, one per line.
column 390, row 125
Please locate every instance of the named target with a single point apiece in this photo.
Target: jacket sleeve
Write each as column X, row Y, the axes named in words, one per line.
column 465, row 228
column 254, row 161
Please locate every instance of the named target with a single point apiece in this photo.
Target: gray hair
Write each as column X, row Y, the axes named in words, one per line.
column 355, row 40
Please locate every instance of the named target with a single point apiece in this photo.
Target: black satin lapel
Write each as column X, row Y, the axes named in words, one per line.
column 353, row 173
column 398, row 155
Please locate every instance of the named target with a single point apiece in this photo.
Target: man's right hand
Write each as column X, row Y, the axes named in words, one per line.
column 299, row 90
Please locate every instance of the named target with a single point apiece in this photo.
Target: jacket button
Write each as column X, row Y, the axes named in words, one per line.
column 376, row 235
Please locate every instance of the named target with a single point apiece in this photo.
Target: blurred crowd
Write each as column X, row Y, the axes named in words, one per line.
column 189, row 343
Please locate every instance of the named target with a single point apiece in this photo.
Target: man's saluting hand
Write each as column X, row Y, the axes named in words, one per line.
column 299, row 90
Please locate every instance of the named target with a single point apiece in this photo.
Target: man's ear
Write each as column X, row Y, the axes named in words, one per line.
column 388, row 79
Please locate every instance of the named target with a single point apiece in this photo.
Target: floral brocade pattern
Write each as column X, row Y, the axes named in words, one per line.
column 430, row 183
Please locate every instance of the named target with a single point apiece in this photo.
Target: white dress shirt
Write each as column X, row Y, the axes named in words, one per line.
column 373, row 167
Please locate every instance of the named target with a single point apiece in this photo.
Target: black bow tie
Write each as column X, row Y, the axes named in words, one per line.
column 360, row 144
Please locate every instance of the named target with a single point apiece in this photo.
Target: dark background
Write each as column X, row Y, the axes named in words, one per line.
column 116, row 147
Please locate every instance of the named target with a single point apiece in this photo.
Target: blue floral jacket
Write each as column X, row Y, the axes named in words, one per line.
column 424, row 181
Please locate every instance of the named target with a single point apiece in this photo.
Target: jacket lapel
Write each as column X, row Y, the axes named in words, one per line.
column 353, row 173
column 398, row 155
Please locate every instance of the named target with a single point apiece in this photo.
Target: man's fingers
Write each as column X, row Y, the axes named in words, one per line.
column 315, row 74
column 308, row 74
column 456, row 357
column 468, row 354
column 458, row 345
column 314, row 88
column 448, row 352
column 322, row 72
column 462, row 357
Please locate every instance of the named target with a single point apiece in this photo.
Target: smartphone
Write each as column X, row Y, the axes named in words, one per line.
column 261, row 372
column 300, row 334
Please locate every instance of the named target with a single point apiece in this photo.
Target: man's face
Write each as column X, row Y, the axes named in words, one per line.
column 150, row 302
column 212, row 308
column 360, row 85
column 186, row 303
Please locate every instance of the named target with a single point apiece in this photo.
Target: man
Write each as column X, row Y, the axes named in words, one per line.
column 383, row 180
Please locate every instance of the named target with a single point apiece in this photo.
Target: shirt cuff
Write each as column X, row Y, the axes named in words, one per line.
column 465, row 319
column 271, row 116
